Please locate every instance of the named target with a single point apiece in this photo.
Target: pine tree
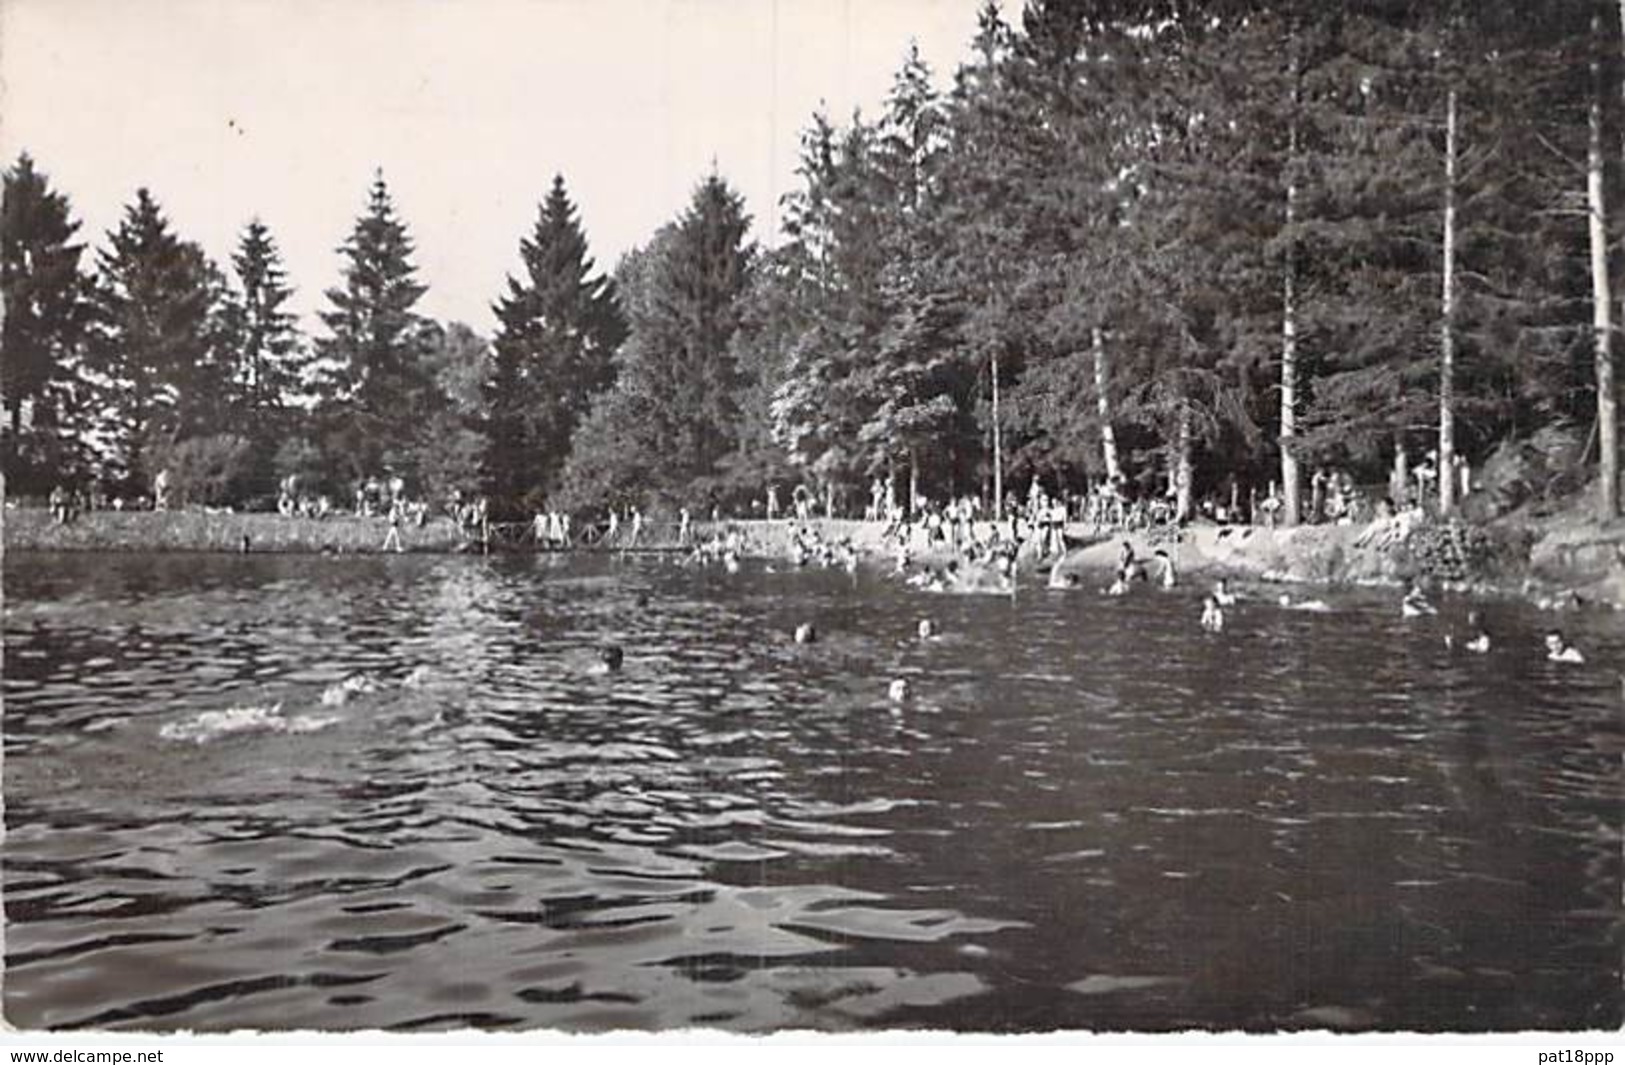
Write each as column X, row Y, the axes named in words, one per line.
column 44, row 322
column 832, row 271
column 154, row 353
column 915, row 381
column 559, row 329
column 674, row 408
column 267, row 359
column 377, row 387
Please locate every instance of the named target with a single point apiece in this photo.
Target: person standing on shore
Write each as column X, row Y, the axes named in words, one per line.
column 394, row 534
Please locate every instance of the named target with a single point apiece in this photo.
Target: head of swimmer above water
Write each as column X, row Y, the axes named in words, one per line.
column 610, row 657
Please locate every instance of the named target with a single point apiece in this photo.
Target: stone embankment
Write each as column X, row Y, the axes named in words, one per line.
column 1557, row 565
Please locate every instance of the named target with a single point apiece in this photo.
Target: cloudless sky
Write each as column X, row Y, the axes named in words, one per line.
column 228, row 109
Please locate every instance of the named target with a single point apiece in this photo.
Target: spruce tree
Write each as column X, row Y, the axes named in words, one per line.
column 672, row 416
column 153, row 354
column 558, row 330
column 44, row 323
column 377, row 386
column 832, row 271
column 267, row 358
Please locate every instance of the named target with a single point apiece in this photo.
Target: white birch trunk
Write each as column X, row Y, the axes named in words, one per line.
column 998, row 447
column 1447, row 333
column 1602, row 307
column 1103, row 404
column 1182, row 465
column 1290, row 477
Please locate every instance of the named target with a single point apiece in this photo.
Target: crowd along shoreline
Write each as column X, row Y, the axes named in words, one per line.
column 1575, row 565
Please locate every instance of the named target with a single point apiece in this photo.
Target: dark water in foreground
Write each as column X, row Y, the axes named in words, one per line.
column 1091, row 816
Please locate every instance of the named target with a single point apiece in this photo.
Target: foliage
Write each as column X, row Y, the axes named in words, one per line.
column 372, row 360
column 673, row 414
column 1148, row 181
column 44, row 324
column 155, row 354
column 558, row 330
column 266, row 360
column 202, row 469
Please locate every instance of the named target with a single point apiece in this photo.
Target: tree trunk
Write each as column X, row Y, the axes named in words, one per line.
column 913, row 483
column 1103, row 403
column 998, row 446
column 1182, row 465
column 1602, row 305
column 1621, row 90
column 1399, row 482
column 1447, row 333
column 14, row 407
column 1290, row 484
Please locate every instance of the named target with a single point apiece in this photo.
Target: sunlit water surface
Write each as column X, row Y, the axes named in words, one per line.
column 1090, row 815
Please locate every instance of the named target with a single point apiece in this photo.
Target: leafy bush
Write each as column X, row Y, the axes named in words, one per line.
column 203, row 469
column 299, row 457
column 445, row 458
column 1456, row 551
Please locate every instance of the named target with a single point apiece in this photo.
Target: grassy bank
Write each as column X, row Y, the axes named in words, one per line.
column 30, row 529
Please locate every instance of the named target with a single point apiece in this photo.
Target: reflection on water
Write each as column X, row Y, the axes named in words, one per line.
column 1090, row 815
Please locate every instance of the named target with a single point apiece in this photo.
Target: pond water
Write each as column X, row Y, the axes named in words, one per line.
column 1090, row 815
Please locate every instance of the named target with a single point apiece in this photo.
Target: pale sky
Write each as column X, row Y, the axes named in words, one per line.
column 228, row 109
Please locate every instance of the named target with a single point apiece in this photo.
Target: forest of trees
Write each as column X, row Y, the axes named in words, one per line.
column 1191, row 243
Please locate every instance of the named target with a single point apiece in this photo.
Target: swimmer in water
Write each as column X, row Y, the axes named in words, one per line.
column 1559, row 649
column 805, row 633
column 1212, row 615
column 927, row 629
column 897, row 692
column 1130, row 568
column 1415, row 604
column 609, row 659
column 1118, row 587
column 1169, row 577
column 1479, row 642
column 1318, row 606
column 1222, row 593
